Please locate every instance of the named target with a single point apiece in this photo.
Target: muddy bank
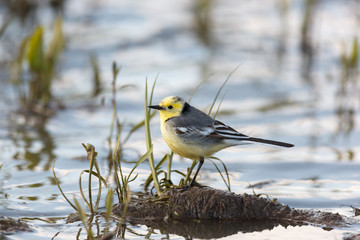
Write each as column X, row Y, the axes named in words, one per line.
column 10, row 226
column 192, row 209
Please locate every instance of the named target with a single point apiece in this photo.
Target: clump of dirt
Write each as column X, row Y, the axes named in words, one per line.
column 73, row 217
column 10, row 226
column 210, row 204
column 352, row 236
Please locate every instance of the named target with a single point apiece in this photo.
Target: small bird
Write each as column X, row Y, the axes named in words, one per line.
column 193, row 134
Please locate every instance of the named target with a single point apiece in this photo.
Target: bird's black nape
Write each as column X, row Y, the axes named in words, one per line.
column 272, row 142
column 185, row 108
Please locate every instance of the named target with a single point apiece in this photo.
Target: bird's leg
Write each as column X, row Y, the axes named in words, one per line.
column 201, row 161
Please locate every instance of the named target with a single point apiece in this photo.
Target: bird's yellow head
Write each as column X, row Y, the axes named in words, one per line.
column 169, row 107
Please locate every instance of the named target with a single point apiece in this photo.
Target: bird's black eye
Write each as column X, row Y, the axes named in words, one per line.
column 170, row 107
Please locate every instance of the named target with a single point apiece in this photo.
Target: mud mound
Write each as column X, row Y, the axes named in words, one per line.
column 211, row 204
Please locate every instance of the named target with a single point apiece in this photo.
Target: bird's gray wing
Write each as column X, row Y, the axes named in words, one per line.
column 192, row 124
column 223, row 131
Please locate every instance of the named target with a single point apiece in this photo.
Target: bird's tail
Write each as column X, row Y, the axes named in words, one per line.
column 272, row 142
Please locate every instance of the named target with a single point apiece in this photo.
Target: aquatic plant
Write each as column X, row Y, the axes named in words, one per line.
column 349, row 62
column 90, row 149
column 348, row 91
column 122, row 181
column 84, row 219
column 306, row 44
column 92, row 206
column 97, row 81
column 115, row 118
column 203, row 20
column 34, row 68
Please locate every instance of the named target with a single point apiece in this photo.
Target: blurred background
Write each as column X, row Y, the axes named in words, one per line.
column 293, row 69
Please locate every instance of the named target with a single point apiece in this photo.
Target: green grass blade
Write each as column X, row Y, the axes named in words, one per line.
column 227, row 183
column 220, row 89
column 97, row 81
column 354, row 58
column 57, row 42
column 84, row 219
column 136, row 127
column 61, row 191
column 169, row 158
column 101, row 178
column 108, row 204
column 198, row 86
column 148, row 138
column 90, row 149
column 218, row 108
column 142, row 159
column 116, row 163
column 150, row 178
column 187, row 178
column 126, row 201
column 35, row 54
column 128, row 180
column 114, row 119
column 181, row 173
column 152, row 89
column 82, row 192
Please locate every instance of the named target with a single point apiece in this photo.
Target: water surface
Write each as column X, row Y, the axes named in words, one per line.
column 279, row 91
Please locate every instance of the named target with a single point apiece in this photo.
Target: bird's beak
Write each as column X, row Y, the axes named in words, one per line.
column 157, row 107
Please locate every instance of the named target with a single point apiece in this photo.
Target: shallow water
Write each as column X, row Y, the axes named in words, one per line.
column 277, row 93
